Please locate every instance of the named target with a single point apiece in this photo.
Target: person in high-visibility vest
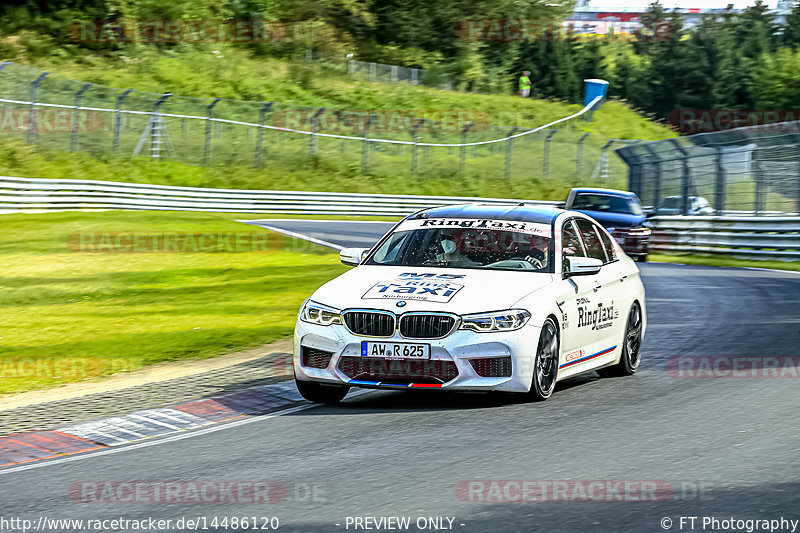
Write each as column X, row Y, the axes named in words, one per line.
column 525, row 84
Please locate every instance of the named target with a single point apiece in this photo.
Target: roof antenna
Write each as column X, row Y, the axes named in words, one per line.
column 521, row 204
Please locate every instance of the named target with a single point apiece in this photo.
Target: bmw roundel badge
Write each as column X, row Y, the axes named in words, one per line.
column 401, row 303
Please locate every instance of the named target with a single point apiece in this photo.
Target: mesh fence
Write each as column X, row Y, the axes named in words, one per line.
column 66, row 115
column 744, row 171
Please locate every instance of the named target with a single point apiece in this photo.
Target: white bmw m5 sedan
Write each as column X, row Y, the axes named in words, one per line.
column 474, row 297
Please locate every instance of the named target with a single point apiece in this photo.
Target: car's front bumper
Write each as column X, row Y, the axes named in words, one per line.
column 458, row 348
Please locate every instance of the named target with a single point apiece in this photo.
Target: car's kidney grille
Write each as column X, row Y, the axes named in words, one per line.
column 398, row 370
column 370, row 323
column 426, row 326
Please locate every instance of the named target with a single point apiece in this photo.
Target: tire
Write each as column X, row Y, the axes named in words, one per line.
column 631, row 346
column 319, row 393
column 641, row 258
column 545, row 365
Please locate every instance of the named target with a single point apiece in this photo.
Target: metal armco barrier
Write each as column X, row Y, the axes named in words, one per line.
column 755, row 237
column 35, row 194
column 770, row 237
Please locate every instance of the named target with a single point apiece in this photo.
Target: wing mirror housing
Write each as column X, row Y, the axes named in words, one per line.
column 581, row 266
column 352, row 256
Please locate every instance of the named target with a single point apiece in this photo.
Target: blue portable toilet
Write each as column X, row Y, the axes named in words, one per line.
column 594, row 88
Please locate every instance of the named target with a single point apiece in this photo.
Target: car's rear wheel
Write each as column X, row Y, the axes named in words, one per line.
column 319, row 393
column 641, row 258
column 631, row 346
column 545, row 367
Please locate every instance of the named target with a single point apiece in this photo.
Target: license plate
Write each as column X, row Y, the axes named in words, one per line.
column 395, row 350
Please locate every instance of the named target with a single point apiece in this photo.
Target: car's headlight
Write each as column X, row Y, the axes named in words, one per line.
column 495, row 321
column 322, row 315
column 639, row 231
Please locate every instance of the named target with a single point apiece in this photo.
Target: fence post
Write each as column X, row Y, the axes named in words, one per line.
column 118, row 118
column 209, row 114
column 414, row 76
column 73, row 142
column 262, row 116
column 415, row 146
column 685, row 178
column 373, row 71
column 394, row 73
column 314, row 124
column 509, row 147
column 365, row 147
column 32, row 118
column 546, row 154
column 719, row 184
column 350, row 67
column 462, row 166
column 758, row 174
column 579, row 157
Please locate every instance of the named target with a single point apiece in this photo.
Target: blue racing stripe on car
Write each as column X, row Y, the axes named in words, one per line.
column 598, row 354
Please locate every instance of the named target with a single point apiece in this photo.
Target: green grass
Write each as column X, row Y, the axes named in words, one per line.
column 225, row 71
column 94, row 313
column 229, row 72
column 722, row 261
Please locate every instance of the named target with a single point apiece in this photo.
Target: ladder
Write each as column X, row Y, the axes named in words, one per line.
column 156, row 130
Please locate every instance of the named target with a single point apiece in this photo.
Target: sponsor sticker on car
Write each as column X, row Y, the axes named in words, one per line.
column 425, row 290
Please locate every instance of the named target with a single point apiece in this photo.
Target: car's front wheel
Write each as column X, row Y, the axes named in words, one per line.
column 545, row 367
column 319, row 393
column 631, row 346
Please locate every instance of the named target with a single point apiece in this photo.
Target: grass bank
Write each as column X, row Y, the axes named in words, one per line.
column 69, row 314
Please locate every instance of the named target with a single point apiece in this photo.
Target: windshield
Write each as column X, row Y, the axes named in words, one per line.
column 484, row 247
column 608, row 203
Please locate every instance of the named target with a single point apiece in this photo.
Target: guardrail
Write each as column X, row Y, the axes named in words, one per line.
column 756, row 237
column 39, row 194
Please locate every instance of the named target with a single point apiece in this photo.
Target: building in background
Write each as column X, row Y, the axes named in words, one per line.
column 601, row 19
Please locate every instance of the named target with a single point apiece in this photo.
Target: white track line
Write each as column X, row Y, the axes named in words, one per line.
column 320, row 220
column 299, row 236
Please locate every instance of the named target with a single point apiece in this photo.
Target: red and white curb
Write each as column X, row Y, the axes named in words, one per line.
column 32, row 446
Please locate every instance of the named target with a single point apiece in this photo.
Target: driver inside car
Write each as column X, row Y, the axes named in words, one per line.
column 451, row 255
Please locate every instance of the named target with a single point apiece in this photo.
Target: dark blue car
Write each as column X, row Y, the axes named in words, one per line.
column 620, row 212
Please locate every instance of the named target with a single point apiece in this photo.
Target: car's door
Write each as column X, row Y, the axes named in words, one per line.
column 578, row 293
column 590, row 336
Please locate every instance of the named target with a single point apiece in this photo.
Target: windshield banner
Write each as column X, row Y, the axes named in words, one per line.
column 514, row 226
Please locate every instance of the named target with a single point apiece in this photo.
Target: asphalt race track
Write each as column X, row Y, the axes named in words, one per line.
column 725, row 447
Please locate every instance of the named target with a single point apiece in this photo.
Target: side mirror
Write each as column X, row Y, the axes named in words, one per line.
column 352, row 256
column 582, row 266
